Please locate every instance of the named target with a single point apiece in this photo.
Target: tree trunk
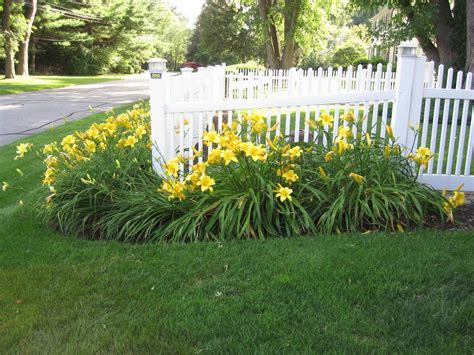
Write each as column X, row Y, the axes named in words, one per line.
column 292, row 12
column 429, row 49
column 24, row 45
column 9, row 41
column 272, row 45
column 33, row 55
column 469, row 36
column 448, row 55
column 288, row 57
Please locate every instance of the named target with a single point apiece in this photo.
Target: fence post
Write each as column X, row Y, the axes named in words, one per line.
column 221, row 83
column 159, row 124
column 409, row 83
column 188, row 84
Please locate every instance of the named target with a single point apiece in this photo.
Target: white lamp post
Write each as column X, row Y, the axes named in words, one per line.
column 407, row 49
column 159, row 125
column 156, row 66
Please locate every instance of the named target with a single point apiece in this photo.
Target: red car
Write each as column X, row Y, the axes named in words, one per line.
column 193, row 65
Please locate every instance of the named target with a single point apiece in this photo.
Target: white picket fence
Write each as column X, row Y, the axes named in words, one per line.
column 417, row 95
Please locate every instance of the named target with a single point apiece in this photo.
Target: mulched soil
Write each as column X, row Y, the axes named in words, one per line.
column 463, row 215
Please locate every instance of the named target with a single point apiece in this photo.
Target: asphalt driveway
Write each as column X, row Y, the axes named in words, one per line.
column 28, row 113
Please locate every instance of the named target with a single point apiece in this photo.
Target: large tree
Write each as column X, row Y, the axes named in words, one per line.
column 470, row 36
column 9, row 40
column 278, row 32
column 288, row 26
column 89, row 36
column 30, row 13
column 226, row 31
column 434, row 23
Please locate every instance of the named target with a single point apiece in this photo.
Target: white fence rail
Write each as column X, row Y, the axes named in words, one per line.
column 279, row 83
column 416, row 95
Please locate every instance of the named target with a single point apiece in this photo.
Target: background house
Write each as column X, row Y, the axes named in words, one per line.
column 386, row 51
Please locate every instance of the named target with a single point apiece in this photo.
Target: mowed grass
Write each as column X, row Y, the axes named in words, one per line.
column 344, row 293
column 41, row 82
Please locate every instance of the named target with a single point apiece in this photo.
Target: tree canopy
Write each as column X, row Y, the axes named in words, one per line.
column 94, row 36
column 438, row 25
column 279, row 33
column 106, row 36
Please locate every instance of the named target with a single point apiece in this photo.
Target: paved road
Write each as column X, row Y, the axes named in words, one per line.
column 28, row 113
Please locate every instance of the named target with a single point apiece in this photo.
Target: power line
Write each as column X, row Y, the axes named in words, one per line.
column 68, row 14
column 66, row 10
column 60, row 40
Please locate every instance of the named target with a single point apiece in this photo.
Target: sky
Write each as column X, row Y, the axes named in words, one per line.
column 189, row 8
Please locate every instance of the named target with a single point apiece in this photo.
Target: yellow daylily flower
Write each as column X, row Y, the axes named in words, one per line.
column 342, row 146
column 214, row 156
column 326, row 119
column 140, row 130
column 211, row 137
column 21, row 149
column 348, row 117
column 284, row 193
column 175, row 189
column 368, row 139
column 357, row 178
column 329, row 156
column 206, row 183
column 228, row 156
column 290, row 176
column 49, row 148
column 200, row 167
column 68, row 140
column 322, row 173
column 293, row 153
column 90, row 146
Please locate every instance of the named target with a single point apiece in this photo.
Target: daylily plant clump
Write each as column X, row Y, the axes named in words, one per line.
column 249, row 181
column 340, row 182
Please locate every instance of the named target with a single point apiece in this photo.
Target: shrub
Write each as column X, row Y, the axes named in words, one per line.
column 364, row 61
column 376, row 60
column 347, row 53
column 248, row 183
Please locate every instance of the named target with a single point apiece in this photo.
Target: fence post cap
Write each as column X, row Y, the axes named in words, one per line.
column 201, row 68
column 407, row 49
column 157, row 64
column 157, row 60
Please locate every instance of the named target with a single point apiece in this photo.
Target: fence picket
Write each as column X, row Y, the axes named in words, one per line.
column 306, row 125
column 444, row 125
column 375, row 113
column 359, row 86
column 454, row 126
column 429, row 85
column 470, row 147
column 190, row 138
column 199, row 137
column 434, row 129
column 462, row 135
column 319, row 81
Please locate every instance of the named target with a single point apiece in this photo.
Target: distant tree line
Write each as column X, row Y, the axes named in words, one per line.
column 87, row 37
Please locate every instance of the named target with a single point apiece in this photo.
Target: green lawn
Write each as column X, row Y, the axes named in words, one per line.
column 14, row 86
column 348, row 293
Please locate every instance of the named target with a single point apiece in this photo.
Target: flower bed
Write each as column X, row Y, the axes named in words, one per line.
column 248, row 183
